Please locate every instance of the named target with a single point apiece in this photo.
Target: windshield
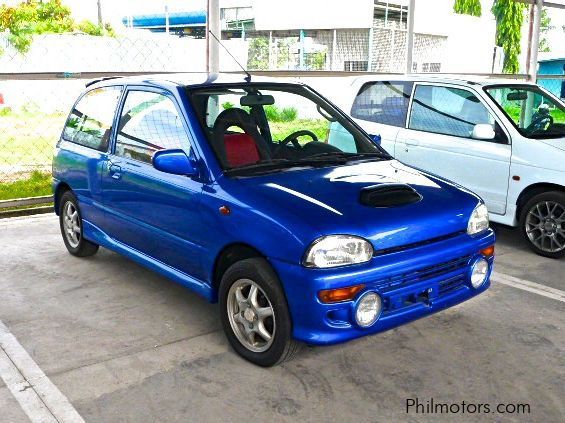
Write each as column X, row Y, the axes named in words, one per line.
column 258, row 128
column 533, row 112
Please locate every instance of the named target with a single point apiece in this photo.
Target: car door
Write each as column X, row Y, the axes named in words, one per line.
column 153, row 212
column 380, row 108
column 442, row 138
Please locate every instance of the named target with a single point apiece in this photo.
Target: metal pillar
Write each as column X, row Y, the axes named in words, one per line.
column 410, row 36
column 100, row 20
column 212, row 46
column 534, row 43
column 167, row 19
column 334, row 50
column 370, row 58
column 301, row 61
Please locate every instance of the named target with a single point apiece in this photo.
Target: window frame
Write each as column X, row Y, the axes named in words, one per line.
column 112, row 128
column 166, row 93
column 389, row 81
column 476, row 93
column 506, row 116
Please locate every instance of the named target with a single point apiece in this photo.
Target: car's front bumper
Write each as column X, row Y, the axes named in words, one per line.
column 412, row 284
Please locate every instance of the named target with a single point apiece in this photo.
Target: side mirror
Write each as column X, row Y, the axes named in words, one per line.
column 175, row 162
column 377, row 139
column 483, row 131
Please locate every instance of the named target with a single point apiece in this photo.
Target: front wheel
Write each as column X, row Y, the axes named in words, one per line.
column 543, row 224
column 254, row 313
column 70, row 221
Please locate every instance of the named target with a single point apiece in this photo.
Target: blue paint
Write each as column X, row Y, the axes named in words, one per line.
column 171, row 223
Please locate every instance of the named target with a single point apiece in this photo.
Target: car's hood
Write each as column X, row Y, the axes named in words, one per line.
column 327, row 200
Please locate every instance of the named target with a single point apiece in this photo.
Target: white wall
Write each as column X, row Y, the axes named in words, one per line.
column 312, row 14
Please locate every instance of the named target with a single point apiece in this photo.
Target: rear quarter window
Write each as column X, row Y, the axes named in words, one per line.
column 90, row 121
column 383, row 102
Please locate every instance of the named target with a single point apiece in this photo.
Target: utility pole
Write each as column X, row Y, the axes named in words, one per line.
column 100, row 21
column 534, row 41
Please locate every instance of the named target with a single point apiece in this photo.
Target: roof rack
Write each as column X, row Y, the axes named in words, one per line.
column 105, row 78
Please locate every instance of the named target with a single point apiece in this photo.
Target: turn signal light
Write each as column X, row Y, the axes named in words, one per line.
column 488, row 252
column 339, row 294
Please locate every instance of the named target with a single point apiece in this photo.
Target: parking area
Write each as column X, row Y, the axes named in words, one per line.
column 124, row 344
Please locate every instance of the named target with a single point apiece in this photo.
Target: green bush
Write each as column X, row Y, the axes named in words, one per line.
column 275, row 114
column 228, row 105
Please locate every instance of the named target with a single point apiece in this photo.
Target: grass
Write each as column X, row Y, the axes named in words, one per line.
column 36, row 185
column 280, row 130
column 27, row 139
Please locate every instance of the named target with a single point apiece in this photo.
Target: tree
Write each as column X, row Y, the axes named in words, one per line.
column 509, row 16
column 468, row 7
column 545, row 27
column 40, row 17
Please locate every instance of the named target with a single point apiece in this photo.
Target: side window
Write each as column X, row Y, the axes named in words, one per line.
column 383, row 102
column 449, row 111
column 149, row 122
column 90, row 122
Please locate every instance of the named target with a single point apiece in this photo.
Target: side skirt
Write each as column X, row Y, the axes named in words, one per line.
column 96, row 235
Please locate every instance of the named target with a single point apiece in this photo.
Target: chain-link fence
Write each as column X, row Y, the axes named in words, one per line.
column 33, row 107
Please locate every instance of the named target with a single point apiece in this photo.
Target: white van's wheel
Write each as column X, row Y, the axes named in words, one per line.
column 543, row 224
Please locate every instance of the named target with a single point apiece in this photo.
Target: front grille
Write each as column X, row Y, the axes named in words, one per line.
column 425, row 273
column 451, row 284
column 417, row 244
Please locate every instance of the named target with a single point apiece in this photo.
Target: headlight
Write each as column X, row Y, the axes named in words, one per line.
column 478, row 222
column 338, row 250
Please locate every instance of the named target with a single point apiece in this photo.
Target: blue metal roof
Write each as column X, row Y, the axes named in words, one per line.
column 157, row 20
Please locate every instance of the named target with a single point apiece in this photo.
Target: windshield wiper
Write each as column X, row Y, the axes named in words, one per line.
column 346, row 156
column 281, row 164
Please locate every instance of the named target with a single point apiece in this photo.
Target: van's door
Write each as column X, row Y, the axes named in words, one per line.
column 442, row 138
column 380, row 108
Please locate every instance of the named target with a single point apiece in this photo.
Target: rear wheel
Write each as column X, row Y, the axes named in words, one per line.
column 542, row 222
column 70, row 222
column 254, row 313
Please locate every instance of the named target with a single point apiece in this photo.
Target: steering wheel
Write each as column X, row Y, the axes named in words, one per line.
column 539, row 123
column 293, row 138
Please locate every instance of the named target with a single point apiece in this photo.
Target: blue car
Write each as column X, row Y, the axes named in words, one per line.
column 235, row 189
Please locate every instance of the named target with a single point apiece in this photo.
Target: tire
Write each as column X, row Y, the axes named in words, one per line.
column 235, row 289
column 542, row 222
column 75, row 243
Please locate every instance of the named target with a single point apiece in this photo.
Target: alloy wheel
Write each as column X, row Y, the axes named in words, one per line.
column 71, row 223
column 545, row 226
column 251, row 315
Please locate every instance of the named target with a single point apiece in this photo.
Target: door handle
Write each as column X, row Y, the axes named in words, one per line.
column 115, row 171
column 412, row 142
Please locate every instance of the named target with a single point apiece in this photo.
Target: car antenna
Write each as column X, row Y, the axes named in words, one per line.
column 248, row 75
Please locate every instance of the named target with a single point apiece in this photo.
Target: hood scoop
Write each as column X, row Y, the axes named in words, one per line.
column 389, row 195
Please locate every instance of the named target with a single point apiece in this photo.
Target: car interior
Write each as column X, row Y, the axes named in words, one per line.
column 242, row 136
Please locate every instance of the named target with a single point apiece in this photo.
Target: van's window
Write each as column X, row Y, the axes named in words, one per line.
column 149, row 122
column 90, row 122
column 449, row 111
column 533, row 112
column 383, row 102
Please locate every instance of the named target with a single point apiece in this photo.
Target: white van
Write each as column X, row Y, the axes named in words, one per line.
column 504, row 140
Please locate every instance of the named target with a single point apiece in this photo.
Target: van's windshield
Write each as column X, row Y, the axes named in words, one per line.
column 532, row 111
column 259, row 128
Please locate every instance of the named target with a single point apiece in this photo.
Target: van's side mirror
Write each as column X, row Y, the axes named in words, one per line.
column 483, row 131
column 175, row 162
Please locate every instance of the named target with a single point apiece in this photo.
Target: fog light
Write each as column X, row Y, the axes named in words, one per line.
column 479, row 273
column 368, row 309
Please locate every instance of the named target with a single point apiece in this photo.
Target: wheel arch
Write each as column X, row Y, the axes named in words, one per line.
column 61, row 188
column 228, row 256
column 533, row 190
